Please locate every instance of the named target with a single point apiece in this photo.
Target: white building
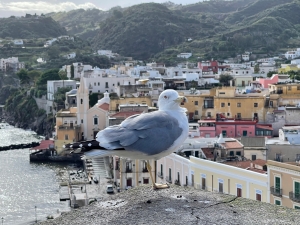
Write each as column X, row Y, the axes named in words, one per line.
column 71, row 55
column 18, row 42
column 52, row 87
column 246, row 57
column 107, row 53
column 11, row 64
column 184, row 55
column 292, row 54
column 50, row 42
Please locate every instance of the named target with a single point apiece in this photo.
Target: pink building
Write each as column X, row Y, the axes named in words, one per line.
column 233, row 128
column 266, row 81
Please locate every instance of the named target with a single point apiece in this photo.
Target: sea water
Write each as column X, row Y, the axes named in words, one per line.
column 28, row 191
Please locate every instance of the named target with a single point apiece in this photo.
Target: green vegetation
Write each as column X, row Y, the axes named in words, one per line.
column 32, row 27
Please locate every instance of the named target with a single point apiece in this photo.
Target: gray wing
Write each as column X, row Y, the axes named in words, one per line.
column 149, row 133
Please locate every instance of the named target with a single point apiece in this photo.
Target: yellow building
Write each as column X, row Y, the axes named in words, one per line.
column 67, row 128
column 284, row 89
column 218, row 177
column 226, row 101
column 114, row 103
column 284, row 184
column 287, row 68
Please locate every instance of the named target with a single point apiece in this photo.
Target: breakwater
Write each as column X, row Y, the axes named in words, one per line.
column 19, row 146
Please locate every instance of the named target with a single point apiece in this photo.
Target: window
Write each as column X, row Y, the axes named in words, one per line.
column 170, row 174
column 253, row 157
column 106, row 84
column 208, row 114
column 255, row 115
column 239, row 153
column 298, row 87
column 239, row 104
column 161, row 169
column 244, row 133
column 118, row 83
column 231, row 153
column 289, row 88
column 296, row 190
column 222, row 104
column 271, row 103
column 196, row 113
column 239, row 192
column 224, row 133
column 98, row 83
column 258, row 195
column 81, row 101
column 203, row 183
column 196, row 102
column 95, row 120
column 296, row 207
column 220, row 185
column 66, row 137
column 277, row 202
column 95, row 84
column 239, row 115
column 146, row 180
column 228, row 103
column 228, row 114
column 128, row 167
column 81, row 121
column 255, row 104
column 277, row 185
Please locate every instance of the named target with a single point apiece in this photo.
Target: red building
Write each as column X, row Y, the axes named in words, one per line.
column 211, row 67
column 233, row 127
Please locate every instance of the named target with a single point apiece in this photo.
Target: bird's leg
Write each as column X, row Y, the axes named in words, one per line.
column 155, row 185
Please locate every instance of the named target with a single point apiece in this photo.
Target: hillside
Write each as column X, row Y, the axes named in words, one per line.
column 143, row 30
column 31, row 27
column 80, row 22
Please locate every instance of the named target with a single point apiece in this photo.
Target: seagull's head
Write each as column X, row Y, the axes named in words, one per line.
column 170, row 100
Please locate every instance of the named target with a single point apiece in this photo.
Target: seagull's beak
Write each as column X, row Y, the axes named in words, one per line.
column 181, row 99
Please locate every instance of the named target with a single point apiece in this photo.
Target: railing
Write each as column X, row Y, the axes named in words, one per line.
column 67, row 127
column 295, row 197
column 177, row 182
column 160, row 174
column 276, row 191
column 208, row 107
column 169, row 179
column 128, row 170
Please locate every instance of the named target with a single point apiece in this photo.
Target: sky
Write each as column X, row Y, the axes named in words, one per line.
column 20, row 8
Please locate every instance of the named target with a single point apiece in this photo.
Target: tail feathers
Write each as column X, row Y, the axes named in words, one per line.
column 97, row 154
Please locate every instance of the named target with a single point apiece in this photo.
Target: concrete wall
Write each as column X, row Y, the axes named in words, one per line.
column 42, row 103
column 288, row 152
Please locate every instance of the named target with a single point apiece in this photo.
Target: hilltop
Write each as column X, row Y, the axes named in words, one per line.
column 30, row 27
column 176, row 205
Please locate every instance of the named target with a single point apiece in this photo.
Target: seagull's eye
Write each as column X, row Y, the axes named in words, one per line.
column 165, row 97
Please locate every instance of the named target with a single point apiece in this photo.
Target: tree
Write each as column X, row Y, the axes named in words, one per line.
column 23, row 76
column 224, row 79
column 63, row 75
column 60, row 97
column 34, row 75
column 48, row 75
column 53, row 52
column 256, row 68
column 270, row 73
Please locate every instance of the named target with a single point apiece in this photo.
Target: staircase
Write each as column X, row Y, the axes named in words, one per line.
column 101, row 167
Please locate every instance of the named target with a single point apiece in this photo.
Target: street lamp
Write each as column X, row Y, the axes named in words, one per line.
column 35, row 215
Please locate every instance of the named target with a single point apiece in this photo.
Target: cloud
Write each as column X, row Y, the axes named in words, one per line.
column 43, row 7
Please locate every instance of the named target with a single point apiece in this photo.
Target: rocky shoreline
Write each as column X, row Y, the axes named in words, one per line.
column 176, row 205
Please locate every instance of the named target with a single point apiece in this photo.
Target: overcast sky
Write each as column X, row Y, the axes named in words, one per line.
column 19, row 7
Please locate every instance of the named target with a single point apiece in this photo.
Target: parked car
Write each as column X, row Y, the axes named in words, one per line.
column 109, row 189
column 95, row 179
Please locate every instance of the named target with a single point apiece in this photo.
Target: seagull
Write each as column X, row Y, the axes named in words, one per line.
column 145, row 136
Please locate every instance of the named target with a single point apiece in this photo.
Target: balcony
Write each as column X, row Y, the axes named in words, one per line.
column 276, row 191
column 295, row 197
column 169, row 179
column 67, row 127
column 160, row 175
column 208, row 107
